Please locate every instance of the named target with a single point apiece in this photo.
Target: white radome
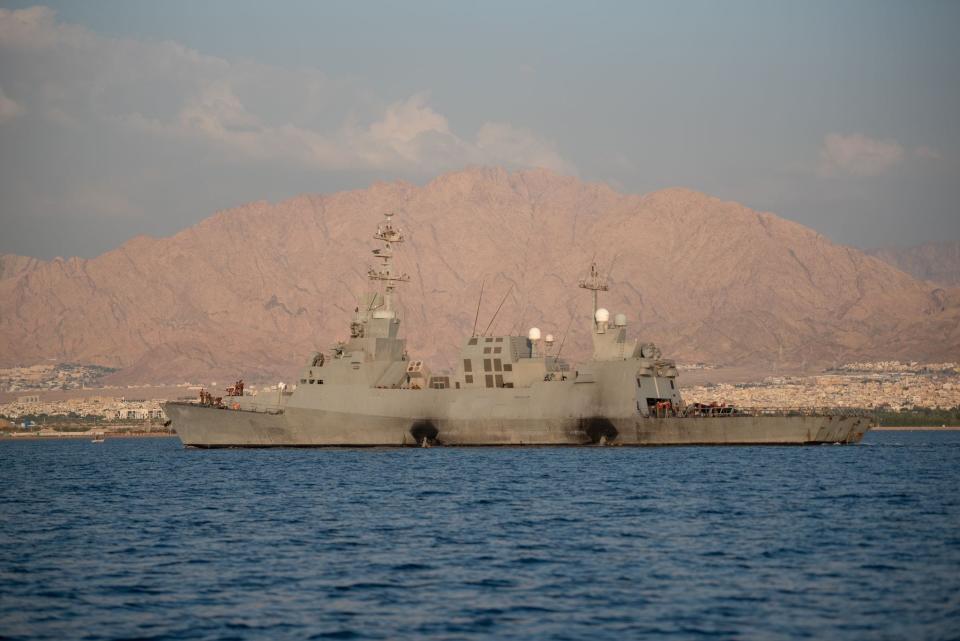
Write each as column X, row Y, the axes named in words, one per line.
column 602, row 315
column 620, row 320
column 549, row 339
column 534, row 334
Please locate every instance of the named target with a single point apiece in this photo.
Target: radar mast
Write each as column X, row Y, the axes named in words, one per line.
column 595, row 283
column 389, row 234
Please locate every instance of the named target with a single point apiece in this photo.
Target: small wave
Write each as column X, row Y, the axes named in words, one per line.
column 336, row 634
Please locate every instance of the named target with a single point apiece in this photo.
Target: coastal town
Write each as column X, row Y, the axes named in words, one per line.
column 101, row 408
column 883, row 385
column 889, row 385
column 52, row 376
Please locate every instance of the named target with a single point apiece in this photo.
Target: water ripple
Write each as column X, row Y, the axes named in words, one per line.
column 144, row 539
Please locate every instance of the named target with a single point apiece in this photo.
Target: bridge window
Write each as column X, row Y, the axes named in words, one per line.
column 497, row 350
column 303, row 380
column 311, row 381
column 508, row 367
column 489, row 380
column 499, row 378
column 473, row 341
column 486, row 365
column 500, row 339
column 467, row 365
column 497, row 365
column 486, row 350
column 468, row 378
column 671, row 384
column 488, row 340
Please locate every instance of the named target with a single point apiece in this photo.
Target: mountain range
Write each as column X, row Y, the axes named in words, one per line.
column 936, row 262
column 253, row 291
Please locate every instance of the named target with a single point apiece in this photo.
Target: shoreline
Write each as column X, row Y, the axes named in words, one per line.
column 82, row 435
column 916, row 428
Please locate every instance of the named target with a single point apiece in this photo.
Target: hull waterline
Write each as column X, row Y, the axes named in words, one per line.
column 199, row 426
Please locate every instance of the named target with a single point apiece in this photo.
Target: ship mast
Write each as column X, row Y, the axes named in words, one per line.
column 389, row 234
column 595, row 283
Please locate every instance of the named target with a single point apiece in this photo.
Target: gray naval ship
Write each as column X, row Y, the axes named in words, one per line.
column 505, row 390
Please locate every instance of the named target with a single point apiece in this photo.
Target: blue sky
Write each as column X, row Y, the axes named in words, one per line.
column 119, row 118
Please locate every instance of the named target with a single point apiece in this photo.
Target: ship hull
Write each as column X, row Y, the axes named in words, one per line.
column 204, row 426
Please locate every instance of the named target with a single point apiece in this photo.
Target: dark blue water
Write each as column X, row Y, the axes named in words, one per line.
column 144, row 539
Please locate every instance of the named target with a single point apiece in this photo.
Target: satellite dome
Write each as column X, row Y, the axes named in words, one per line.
column 549, row 339
column 620, row 320
column 602, row 315
column 534, row 334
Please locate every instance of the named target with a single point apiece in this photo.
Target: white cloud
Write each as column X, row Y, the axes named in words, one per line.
column 928, row 153
column 8, row 108
column 216, row 117
column 858, row 155
column 245, row 111
column 411, row 133
column 519, row 147
column 36, row 28
column 406, row 120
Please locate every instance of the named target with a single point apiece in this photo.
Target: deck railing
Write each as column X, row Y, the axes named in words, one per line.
column 709, row 411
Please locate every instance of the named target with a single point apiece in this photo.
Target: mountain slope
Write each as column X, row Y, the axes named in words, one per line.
column 252, row 291
column 936, row 262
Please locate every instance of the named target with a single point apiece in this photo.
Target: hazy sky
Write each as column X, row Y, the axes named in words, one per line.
column 120, row 118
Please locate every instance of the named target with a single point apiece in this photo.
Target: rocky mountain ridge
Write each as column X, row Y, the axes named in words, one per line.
column 936, row 262
column 254, row 290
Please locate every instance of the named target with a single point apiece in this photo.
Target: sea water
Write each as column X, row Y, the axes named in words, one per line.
column 141, row 538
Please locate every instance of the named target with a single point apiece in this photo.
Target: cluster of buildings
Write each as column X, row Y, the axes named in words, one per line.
column 51, row 376
column 32, row 404
column 898, row 367
column 885, row 385
column 98, row 407
column 690, row 367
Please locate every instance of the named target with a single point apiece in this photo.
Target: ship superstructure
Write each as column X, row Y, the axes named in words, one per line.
column 504, row 390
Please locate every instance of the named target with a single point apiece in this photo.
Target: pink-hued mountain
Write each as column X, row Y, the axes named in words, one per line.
column 936, row 262
column 253, row 291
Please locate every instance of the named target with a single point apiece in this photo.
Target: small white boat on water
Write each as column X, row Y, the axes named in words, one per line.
column 98, row 437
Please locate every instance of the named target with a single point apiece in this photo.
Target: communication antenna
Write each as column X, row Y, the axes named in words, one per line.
column 509, row 289
column 564, row 339
column 613, row 261
column 477, row 316
column 595, row 283
column 389, row 234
